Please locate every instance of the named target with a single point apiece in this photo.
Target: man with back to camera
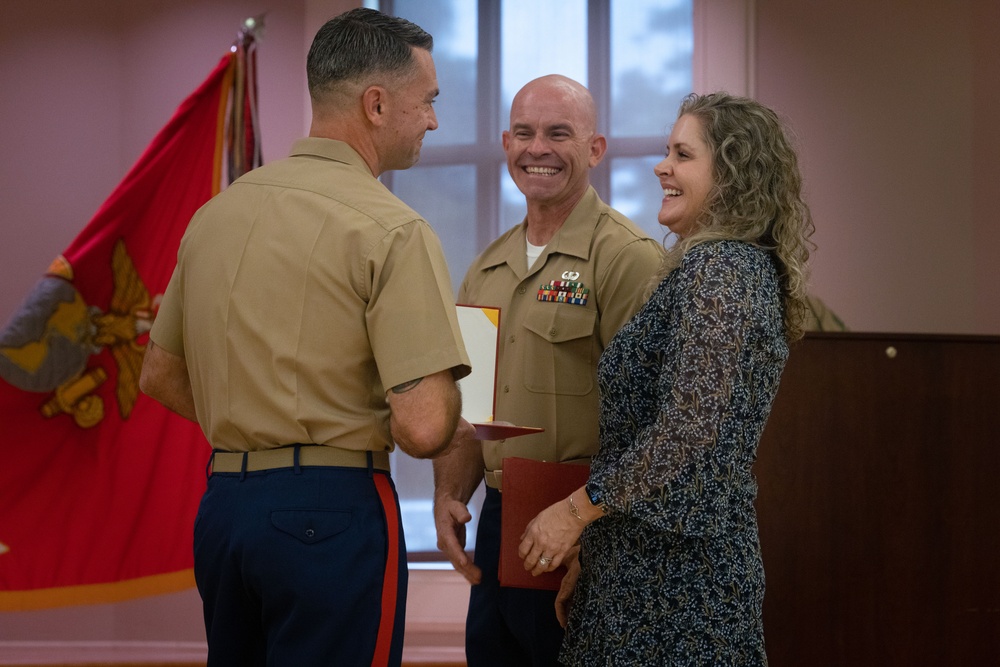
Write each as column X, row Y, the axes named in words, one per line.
column 309, row 324
column 548, row 349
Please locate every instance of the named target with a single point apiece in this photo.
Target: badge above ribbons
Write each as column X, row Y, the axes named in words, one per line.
column 100, row 484
column 566, row 290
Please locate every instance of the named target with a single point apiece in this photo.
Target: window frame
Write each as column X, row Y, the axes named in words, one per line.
column 484, row 152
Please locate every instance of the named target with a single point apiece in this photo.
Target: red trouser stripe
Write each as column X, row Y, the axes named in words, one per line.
column 390, row 582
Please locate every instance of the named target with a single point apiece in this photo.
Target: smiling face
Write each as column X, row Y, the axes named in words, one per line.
column 552, row 143
column 411, row 105
column 685, row 175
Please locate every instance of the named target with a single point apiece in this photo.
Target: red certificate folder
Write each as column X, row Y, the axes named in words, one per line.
column 528, row 487
column 499, row 430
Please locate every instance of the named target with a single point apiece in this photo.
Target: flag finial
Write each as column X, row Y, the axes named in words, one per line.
column 251, row 30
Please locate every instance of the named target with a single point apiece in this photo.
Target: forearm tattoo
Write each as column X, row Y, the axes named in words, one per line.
column 406, row 386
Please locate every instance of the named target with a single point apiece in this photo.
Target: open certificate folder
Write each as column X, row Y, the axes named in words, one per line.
column 480, row 327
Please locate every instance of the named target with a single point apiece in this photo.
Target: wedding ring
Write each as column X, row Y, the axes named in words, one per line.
column 544, row 561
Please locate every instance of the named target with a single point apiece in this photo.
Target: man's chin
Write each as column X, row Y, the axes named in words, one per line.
column 539, row 192
column 405, row 164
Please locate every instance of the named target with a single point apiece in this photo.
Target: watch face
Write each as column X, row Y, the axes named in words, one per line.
column 595, row 498
column 593, row 494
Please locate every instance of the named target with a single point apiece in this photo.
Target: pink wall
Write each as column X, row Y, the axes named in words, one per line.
column 894, row 104
column 86, row 86
column 984, row 19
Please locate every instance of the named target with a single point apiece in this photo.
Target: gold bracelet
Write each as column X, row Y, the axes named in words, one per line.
column 574, row 510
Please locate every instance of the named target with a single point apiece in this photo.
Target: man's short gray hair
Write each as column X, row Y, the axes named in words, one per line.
column 361, row 43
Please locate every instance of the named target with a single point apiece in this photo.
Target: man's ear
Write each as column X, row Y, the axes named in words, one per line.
column 373, row 101
column 598, row 147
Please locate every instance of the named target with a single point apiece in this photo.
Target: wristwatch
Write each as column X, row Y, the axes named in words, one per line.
column 595, row 497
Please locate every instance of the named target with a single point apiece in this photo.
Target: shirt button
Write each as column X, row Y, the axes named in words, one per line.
column 512, row 339
column 310, row 532
column 506, row 389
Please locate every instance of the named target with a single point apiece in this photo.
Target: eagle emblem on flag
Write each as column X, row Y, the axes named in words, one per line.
column 50, row 340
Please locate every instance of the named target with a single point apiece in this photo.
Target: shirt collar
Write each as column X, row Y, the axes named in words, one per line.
column 573, row 238
column 329, row 149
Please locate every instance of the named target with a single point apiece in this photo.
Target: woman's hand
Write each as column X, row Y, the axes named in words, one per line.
column 550, row 536
column 564, row 598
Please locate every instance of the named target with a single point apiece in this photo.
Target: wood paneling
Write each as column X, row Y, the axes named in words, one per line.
column 879, row 516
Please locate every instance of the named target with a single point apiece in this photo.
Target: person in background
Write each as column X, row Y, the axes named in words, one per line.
column 819, row 316
column 669, row 569
column 571, row 241
column 308, row 326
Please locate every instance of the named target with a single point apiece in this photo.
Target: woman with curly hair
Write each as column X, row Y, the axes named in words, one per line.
column 662, row 543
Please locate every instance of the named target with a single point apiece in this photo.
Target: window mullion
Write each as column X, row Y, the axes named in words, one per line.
column 487, row 124
column 599, row 83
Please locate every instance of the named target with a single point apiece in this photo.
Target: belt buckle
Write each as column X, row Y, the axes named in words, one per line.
column 494, row 479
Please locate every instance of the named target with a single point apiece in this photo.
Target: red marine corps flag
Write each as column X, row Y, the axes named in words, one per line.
column 99, row 484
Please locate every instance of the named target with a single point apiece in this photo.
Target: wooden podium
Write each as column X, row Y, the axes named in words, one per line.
column 879, row 502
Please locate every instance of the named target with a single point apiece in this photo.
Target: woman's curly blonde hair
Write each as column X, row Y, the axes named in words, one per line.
column 756, row 196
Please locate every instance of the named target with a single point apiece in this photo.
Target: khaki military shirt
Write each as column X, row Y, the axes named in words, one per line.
column 301, row 293
column 549, row 349
column 819, row 317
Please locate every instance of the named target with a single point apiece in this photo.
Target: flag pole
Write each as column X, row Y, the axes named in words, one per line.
column 243, row 143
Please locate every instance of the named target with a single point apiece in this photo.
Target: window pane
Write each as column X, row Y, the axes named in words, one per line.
column 414, row 480
column 453, row 23
column 446, row 198
column 651, row 46
column 636, row 193
column 512, row 206
column 540, row 38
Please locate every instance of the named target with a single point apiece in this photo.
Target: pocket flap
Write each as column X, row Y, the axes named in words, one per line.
column 311, row 525
column 558, row 323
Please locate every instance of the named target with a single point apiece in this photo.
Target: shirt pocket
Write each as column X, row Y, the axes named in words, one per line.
column 559, row 349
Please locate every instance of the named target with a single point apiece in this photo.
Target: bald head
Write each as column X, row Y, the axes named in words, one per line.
column 552, row 145
column 571, row 95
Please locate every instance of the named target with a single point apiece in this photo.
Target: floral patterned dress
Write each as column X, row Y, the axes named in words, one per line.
column 673, row 574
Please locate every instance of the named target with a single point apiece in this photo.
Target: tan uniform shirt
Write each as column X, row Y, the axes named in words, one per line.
column 547, row 367
column 301, row 293
column 819, row 317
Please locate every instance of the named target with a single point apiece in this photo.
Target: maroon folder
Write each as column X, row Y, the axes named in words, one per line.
column 527, row 488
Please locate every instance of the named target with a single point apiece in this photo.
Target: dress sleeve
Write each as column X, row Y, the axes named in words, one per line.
column 676, row 474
